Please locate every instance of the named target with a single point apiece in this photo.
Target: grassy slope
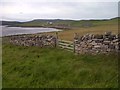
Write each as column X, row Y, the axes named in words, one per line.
column 46, row 67
column 100, row 27
column 44, row 22
column 69, row 34
column 71, row 23
column 0, row 62
column 36, row 67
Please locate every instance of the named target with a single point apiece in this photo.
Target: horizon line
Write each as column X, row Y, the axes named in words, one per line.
column 60, row 19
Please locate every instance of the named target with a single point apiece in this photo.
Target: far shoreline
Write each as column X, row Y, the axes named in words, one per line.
column 36, row 33
column 54, row 27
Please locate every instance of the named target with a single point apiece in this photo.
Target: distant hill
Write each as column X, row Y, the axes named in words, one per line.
column 60, row 23
column 10, row 23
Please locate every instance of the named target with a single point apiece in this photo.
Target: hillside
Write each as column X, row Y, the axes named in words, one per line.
column 10, row 23
column 63, row 24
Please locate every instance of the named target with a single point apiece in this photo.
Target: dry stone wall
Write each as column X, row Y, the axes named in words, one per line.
column 93, row 44
column 41, row 41
column 88, row 43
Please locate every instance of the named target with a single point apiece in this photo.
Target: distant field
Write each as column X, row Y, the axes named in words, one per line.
column 99, row 27
column 67, row 23
column 35, row 67
column 69, row 34
column 75, row 26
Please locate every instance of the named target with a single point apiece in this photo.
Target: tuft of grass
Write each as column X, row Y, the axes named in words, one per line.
column 35, row 67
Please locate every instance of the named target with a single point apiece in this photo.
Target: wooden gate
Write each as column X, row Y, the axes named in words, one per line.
column 68, row 45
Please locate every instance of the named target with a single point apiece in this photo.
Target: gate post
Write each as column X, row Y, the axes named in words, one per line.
column 74, row 42
column 56, row 41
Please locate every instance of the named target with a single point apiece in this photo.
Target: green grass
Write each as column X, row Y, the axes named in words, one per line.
column 36, row 67
column 71, row 23
column 0, row 62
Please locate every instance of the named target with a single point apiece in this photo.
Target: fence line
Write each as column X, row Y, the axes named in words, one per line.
column 88, row 43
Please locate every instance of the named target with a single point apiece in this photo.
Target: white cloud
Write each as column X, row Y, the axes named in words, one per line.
column 31, row 9
column 59, row 0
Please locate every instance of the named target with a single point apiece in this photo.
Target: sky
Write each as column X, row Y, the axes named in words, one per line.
column 26, row 10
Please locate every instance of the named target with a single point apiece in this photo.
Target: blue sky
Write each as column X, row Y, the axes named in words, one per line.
column 25, row 10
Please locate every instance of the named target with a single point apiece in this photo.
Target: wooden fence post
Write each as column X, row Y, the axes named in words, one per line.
column 56, row 41
column 74, row 44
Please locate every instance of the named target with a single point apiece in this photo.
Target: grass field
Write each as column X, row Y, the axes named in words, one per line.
column 0, row 62
column 36, row 67
column 69, row 34
column 68, row 23
column 99, row 27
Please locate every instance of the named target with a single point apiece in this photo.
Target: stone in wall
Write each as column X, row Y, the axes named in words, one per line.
column 94, row 44
column 43, row 40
